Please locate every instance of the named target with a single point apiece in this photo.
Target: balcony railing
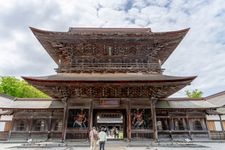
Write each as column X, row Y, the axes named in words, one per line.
column 111, row 67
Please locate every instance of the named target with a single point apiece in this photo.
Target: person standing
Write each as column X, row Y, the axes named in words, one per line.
column 93, row 136
column 102, row 139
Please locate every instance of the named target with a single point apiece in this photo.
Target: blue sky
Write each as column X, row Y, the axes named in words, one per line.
column 201, row 53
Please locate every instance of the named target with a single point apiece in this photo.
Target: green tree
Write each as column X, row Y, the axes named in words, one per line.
column 194, row 94
column 19, row 88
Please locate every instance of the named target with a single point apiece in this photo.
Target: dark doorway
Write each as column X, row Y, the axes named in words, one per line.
column 112, row 120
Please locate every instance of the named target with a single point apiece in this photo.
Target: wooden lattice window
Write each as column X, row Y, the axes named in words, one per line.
column 179, row 124
column 40, row 125
column 197, row 125
column 21, row 125
column 57, row 125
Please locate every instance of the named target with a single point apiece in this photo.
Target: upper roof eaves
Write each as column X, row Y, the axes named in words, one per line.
column 82, row 30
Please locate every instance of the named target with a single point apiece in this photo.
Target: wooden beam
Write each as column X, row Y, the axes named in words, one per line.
column 188, row 127
column 65, row 116
column 30, row 121
column 90, row 119
column 50, row 125
column 128, row 114
column 221, row 123
column 12, row 127
column 154, row 123
column 207, row 128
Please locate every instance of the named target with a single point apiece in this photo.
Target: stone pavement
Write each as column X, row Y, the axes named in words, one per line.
column 218, row 145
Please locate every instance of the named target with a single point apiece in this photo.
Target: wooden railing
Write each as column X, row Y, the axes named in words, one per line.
column 141, row 133
column 111, row 67
column 72, row 133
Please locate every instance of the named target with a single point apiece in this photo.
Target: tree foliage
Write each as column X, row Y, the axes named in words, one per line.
column 19, row 88
column 194, row 94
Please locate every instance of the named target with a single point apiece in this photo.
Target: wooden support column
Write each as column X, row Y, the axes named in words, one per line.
column 171, row 126
column 50, row 125
column 30, row 125
column 153, row 113
column 184, row 123
column 188, row 126
column 188, row 123
column 12, row 128
column 65, row 116
column 207, row 128
column 128, row 113
column 90, row 120
column 221, row 123
column 203, row 124
column 171, row 123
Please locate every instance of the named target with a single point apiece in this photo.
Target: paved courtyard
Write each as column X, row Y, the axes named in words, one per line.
column 109, row 146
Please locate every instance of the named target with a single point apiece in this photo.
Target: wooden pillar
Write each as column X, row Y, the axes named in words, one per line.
column 65, row 116
column 166, row 123
column 153, row 113
column 188, row 126
column 171, row 126
column 50, row 125
column 170, row 123
column 221, row 123
column 12, row 128
column 188, row 123
column 90, row 120
column 184, row 123
column 203, row 124
column 128, row 114
column 30, row 125
column 207, row 128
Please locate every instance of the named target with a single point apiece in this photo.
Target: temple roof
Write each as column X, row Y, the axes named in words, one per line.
column 109, row 85
column 92, row 31
column 5, row 100
column 184, row 103
column 108, row 77
column 29, row 103
column 8, row 103
column 158, row 45
column 177, row 103
column 217, row 99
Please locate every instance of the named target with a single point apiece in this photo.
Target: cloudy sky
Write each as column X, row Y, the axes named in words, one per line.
column 201, row 53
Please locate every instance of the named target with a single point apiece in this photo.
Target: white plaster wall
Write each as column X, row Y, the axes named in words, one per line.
column 2, row 126
column 6, row 118
column 212, row 117
column 218, row 126
column 223, row 117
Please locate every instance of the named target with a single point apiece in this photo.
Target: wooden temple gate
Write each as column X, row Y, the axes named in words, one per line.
column 105, row 69
column 95, row 112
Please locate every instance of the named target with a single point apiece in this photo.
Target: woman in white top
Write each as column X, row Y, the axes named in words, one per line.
column 102, row 138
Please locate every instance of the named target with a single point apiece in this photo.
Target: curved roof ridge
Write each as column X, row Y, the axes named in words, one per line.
column 184, row 99
column 89, row 29
column 34, row 99
column 215, row 95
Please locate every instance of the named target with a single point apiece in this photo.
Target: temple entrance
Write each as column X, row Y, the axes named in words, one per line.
column 113, row 122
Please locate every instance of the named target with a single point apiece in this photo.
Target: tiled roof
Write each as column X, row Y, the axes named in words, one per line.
column 185, row 104
column 31, row 103
column 217, row 99
column 109, row 77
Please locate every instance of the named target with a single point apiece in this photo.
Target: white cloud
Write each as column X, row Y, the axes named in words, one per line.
column 201, row 53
